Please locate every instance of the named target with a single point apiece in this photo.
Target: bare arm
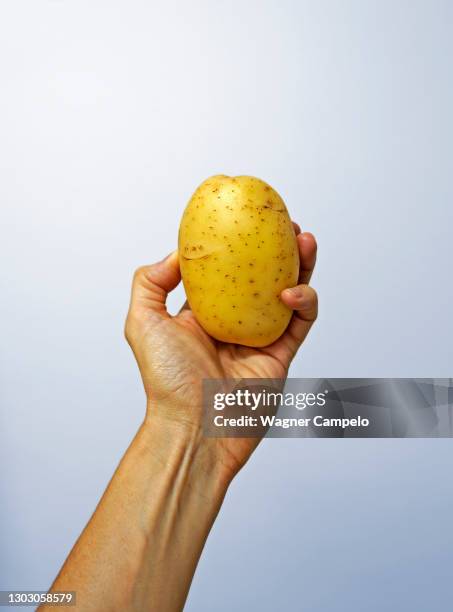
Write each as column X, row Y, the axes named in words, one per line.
column 140, row 549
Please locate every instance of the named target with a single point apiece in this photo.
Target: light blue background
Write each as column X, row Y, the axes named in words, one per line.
column 111, row 113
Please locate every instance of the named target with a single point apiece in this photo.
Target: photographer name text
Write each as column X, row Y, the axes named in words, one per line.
column 285, row 423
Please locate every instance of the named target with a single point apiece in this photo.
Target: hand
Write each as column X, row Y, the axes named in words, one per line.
column 175, row 354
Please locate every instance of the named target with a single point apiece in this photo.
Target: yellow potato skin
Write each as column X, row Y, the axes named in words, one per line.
column 237, row 252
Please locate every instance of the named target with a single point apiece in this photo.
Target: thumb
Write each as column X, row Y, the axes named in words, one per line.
column 151, row 285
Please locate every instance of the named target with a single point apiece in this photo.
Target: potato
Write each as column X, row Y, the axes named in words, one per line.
column 237, row 252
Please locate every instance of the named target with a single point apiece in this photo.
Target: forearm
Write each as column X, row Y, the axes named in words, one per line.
column 141, row 547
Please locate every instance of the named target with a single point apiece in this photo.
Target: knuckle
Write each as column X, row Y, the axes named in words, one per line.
column 144, row 275
column 139, row 272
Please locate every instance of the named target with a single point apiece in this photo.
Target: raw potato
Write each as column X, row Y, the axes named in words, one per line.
column 237, row 252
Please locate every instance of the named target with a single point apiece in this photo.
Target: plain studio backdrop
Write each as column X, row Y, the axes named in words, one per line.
column 111, row 113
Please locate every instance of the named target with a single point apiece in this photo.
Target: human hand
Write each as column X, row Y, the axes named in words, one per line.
column 175, row 354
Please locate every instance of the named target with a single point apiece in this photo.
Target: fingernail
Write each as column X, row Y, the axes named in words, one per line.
column 296, row 292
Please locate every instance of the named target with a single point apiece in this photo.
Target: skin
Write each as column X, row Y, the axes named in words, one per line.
column 140, row 549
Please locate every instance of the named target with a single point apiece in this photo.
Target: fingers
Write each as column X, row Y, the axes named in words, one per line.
column 152, row 283
column 304, row 301
column 307, row 253
column 296, row 228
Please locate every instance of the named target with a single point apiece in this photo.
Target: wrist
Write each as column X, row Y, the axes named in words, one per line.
column 180, row 447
